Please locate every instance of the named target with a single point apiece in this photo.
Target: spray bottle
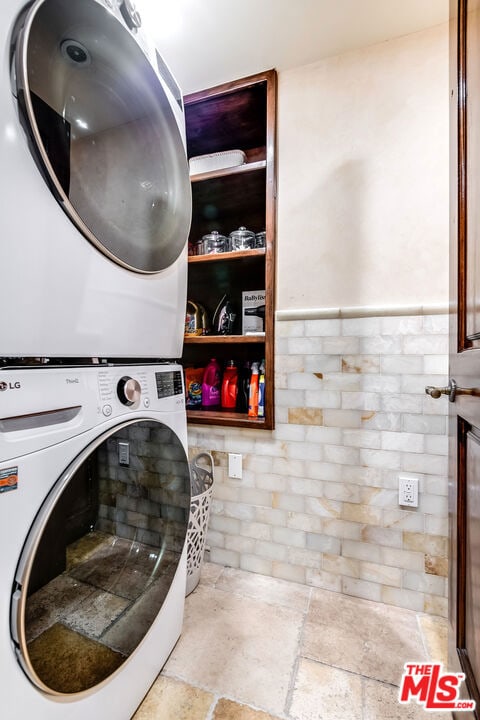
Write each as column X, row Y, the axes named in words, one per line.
column 253, row 395
column 261, row 390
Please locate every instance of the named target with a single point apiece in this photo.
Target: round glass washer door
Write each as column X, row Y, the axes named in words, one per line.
column 101, row 557
column 103, row 132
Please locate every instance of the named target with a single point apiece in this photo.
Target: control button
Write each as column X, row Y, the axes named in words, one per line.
column 146, row 402
column 107, row 410
column 128, row 390
column 130, row 14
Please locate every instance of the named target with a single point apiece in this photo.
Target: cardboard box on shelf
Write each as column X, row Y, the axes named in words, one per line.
column 253, row 312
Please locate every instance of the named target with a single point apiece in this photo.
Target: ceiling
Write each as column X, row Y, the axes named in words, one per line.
column 207, row 42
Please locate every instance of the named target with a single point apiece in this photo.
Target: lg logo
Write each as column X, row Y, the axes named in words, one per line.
column 9, row 386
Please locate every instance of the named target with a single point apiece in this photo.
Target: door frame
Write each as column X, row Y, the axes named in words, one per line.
column 460, row 361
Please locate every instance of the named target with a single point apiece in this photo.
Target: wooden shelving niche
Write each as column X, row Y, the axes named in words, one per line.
column 238, row 115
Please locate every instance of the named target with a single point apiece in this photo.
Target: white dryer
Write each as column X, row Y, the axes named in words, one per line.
column 96, row 198
column 94, row 508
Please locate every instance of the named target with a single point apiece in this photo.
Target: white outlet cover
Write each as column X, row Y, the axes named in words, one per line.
column 235, row 466
column 407, row 491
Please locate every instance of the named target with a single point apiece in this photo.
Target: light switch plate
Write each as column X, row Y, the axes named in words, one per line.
column 235, row 466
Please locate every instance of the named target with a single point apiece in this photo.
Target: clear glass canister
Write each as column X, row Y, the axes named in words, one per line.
column 242, row 239
column 213, row 242
column 198, row 248
column 260, row 239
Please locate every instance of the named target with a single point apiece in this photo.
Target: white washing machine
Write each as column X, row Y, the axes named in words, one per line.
column 96, row 198
column 94, row 507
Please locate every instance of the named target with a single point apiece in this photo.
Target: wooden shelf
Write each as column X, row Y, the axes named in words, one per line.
column 235, row 170
column 223, row 339
column 224, row 417
column 235, row 255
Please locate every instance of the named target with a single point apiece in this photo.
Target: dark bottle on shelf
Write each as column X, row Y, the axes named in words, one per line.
column 243, row 388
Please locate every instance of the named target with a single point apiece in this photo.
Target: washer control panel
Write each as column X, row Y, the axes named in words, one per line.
column 136, row 387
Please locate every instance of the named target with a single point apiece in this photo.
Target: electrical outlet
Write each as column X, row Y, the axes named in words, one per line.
column 408, row 491
column 235, row 466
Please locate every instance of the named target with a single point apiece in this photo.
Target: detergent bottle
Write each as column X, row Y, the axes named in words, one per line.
column 211, row 385
column 230, row 386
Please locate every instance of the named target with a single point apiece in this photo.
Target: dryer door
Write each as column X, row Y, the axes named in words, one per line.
column 101, row 557
column 103, row 129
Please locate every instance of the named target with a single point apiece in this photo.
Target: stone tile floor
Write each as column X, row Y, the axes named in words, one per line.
column 257, row 648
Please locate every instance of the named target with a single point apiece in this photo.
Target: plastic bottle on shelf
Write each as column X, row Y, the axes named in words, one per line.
column 243, row 388
column 230, row 386
column 253, row 394
column 261, row 390
column 211, row 385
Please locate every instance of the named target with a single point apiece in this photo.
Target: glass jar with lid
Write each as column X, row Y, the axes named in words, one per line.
column 242, row 239
column 198, row 248
column 260, row 239
column 213, row 242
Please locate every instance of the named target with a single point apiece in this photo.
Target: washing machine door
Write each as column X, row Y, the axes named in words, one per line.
column 101, row 557
column 105, row 130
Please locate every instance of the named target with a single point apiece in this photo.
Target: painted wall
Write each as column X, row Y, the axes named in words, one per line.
column 363, row 177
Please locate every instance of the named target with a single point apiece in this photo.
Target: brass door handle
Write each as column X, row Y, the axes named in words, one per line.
column 452, row 390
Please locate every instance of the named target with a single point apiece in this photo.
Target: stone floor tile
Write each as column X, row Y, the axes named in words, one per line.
column 229, row 710
column 83, row 548
column 434, row 631
column 68, row 662
column 210, row 573
column 361, row 636
column 381, row 703
column 53, row 601
column 325, row 693
column 237, row 647
column 262, row 587
column 169, row 699
column 96, row 614
column 134, row 623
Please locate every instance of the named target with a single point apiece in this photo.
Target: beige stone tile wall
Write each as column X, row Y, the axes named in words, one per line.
column 318, row 501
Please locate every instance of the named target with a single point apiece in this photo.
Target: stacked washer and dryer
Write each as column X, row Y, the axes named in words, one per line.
column 94, row 476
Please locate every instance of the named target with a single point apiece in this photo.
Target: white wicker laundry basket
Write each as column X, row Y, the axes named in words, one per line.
column 202, row 491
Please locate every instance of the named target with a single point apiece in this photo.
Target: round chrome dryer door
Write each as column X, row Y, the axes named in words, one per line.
column 101, row 557
column 104, row 131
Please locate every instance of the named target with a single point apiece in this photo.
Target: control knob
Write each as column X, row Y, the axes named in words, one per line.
column 128, row 390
